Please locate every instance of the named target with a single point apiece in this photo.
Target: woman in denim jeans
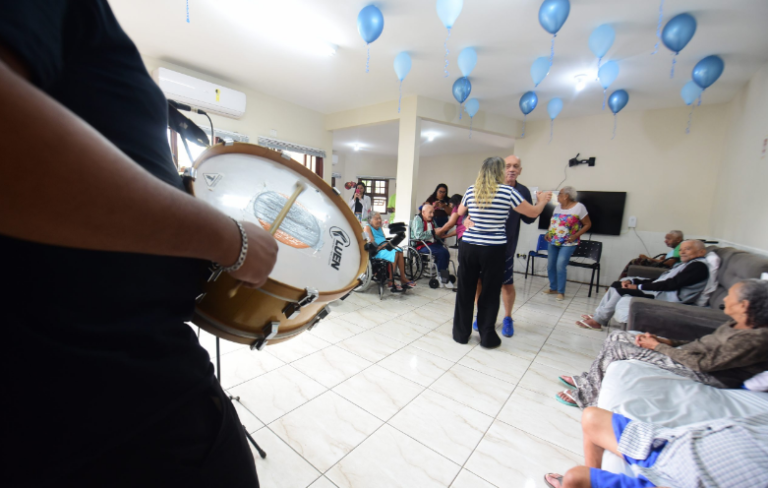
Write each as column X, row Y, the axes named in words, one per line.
column 569, row 221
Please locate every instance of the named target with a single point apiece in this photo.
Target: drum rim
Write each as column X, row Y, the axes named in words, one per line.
column 272, row 285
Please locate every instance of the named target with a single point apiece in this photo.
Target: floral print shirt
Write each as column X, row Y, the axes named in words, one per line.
column 565, row 223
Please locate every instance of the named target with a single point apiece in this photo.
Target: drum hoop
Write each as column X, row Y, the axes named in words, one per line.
column 319, row 183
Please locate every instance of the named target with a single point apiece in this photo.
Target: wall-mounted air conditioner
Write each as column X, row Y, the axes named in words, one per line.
column 212, row 98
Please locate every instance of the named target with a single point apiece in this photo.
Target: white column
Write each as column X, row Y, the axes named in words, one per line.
column 408, row 162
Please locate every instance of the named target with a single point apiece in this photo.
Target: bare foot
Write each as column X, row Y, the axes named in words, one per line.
column 566, row 397
column 569, row 380
column 590, row 324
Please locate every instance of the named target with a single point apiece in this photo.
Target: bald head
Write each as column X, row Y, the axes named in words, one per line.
column 513, row 168
column 427, row 212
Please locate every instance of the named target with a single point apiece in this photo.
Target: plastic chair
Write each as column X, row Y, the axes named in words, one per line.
column 541, row 245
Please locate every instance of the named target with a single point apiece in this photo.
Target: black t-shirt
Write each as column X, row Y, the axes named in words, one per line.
column 513, row 221
column 95, row 344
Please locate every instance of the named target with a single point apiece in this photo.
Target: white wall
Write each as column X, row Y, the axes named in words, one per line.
column 264, row 113
column 670, row 177
column 354, row 164
column 738, row 211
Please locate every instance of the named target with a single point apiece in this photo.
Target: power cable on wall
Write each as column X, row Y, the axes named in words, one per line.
column 643, row 242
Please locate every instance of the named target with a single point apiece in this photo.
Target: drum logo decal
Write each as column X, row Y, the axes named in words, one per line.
column 340, row 241
column 299, row 230
column 211, row 179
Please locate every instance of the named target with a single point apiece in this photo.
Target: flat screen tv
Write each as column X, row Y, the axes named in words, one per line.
column 606, row 210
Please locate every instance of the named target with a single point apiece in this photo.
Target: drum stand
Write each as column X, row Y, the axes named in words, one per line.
column 237, row 399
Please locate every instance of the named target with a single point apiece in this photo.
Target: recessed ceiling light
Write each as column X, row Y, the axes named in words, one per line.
column 430, row 136
column 357, row 147
column 581, row 82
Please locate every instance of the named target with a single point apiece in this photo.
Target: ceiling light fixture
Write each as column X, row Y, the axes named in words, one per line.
column 330, row 49
column 357, row 147
column 581, row 82
column 429, row 135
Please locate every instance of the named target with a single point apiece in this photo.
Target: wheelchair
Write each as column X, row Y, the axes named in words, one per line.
column 379, row 269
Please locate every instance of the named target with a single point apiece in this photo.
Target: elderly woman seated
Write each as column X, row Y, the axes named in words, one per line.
column 711, row 454
column 394, row 256
column 423, row 232
column 734, row 352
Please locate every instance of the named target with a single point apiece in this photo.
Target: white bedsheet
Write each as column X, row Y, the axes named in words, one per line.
column 644, row 392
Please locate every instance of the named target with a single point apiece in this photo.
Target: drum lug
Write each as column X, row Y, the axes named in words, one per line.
column 189, row 173
column 292, row 310
column 270, row 331
column 200, row 297
column 323, row 314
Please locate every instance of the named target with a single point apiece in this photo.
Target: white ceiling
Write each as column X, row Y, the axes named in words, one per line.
column 270, row 46
column 382, row 139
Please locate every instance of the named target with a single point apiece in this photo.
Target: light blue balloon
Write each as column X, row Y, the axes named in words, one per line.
column 472, row 106
column 467, row 60
column 370, row 23
column 402, row 65
column 708, row 70
column 553, row 13
column 608, row 73
column 448, row 11
column 618, row 100
column 528, row 102
column 690, row 92
column 461, row 89
column 601, row 40
column 678, row 32
column 554, row 107
column 539, row 70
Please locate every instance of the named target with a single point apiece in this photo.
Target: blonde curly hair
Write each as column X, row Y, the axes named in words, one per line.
column 489, row 178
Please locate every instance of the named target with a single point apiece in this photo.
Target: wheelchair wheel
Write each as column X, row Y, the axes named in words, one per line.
column 414, row 266
column 433, row 283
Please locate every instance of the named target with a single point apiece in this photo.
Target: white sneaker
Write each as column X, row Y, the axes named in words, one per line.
column 448, row 285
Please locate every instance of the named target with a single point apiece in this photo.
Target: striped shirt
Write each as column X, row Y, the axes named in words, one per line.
column 490, row 222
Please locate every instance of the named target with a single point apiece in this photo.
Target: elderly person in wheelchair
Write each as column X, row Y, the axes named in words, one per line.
column 425, row 240
column 387, row 251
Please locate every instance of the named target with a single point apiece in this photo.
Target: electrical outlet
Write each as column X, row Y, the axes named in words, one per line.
column 632, row 222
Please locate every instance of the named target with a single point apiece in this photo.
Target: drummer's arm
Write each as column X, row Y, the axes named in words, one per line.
column 65, row 184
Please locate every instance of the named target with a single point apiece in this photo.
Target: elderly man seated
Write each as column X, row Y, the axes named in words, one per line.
column 423, row 232
column 733, row 353
column 711, row 454
column 685, row 283
column 673, row 239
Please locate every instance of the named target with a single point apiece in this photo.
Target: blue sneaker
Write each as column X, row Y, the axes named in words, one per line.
column 508, row 330
column 474, row 324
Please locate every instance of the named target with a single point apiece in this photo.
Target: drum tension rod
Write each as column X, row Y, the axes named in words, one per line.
column 292, row 310
column 270, row 331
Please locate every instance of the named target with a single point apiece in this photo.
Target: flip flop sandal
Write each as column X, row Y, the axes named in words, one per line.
column 557, row 478
column 588, row 317
column 571, row 403
column 585, row 325
column 565, row 382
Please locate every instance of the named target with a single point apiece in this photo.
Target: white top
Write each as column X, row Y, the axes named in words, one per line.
column 565, row 223
column 366, row 207
column 490, row 222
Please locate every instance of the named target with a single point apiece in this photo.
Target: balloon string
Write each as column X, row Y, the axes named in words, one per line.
column 699, row 104
column 658, row 28
column 614, row 126
column 690, row 115
column 605, row 94
column 445, row 46
column 471, row 119
column 525, row 116
column 597, row 76
column 368, row 60
column 551, row 128
column 552, row 50
column 672, row 72
column 401, row 96
column 461, row 110
column 187, row 11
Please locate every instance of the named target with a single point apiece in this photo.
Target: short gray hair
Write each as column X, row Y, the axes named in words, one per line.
column 756, row 293
column 374, row 214
column 570, row 191
column 697, row 244
column 676, row 233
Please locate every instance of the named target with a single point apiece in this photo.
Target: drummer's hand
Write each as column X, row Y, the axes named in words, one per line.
column 260, row 259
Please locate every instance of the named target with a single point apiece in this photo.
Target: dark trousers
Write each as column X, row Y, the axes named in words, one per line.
column 202, row 444
column 441, row 254
column 485, row 263
column 627, row 291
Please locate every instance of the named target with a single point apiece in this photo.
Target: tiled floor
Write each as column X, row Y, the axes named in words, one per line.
column 379, row 394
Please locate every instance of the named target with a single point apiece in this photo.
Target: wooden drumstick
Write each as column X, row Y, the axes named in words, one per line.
column 299, row 188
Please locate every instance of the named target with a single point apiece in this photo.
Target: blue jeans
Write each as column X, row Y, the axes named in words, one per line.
column 557, row 266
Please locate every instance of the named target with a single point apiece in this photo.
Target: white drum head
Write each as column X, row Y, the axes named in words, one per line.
column 317, row 246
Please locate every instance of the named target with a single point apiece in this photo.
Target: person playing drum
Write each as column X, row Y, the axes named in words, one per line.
column 395, row 256
column 105, row 254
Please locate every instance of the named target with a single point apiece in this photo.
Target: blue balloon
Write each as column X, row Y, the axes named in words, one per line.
column 553, row 13
column 448, row 11
column 601, row 40
column 467, row 60
column 540, row 70
column 678, row 32
column 690, row 92
column 461, row 89
column 554, row 107
column 708, row 70
column 618, row 100
column 472, row 106
column 528, row 102
column 370, row 23
column 402, row 65
column 608, row 73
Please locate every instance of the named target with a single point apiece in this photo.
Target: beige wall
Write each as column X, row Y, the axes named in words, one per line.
column 738, row 212
column 264, row 113
column 354, row 164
